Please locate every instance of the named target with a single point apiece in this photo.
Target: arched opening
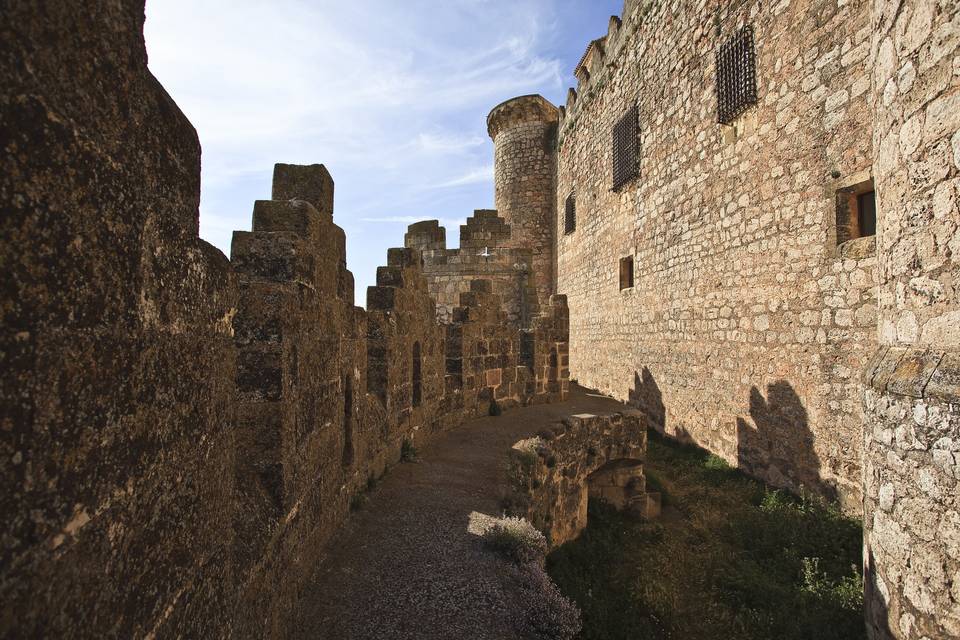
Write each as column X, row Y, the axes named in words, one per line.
column 347, row 420
column 621, row 483
column 417, row 393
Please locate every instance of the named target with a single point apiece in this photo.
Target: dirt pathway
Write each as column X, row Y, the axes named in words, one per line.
column 404, row 566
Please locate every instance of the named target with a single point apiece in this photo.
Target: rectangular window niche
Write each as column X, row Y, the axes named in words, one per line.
column 570, row 215
column 626, row 273
column 856, row 209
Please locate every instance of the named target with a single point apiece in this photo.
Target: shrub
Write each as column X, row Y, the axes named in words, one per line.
column 516, row 539
column 548, row 614
column 408, row 452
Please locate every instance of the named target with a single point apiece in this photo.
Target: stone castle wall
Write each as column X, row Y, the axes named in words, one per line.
column 182, row 433
column 912, row 436
column 747, row 325
column 116, row 349
column 485, row 252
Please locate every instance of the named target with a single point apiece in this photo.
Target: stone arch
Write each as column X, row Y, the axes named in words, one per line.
column 620, row 483
column 555, row 474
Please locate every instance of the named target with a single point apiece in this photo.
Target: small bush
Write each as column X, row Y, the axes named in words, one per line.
column 408, row 452
column 548, row 614
column 516, row 539
column 357, row 502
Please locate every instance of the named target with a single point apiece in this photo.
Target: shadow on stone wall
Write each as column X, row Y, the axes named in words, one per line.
column 646, row 397
column 877, row 612
column 779, row 448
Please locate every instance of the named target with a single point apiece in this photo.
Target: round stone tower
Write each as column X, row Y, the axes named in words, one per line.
column 524, row 132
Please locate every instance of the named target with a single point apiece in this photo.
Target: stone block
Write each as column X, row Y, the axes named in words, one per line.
column 311, row 183
column 944, row 384
column 913, row 372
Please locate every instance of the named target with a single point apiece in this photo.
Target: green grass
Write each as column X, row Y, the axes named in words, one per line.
column 729, row 558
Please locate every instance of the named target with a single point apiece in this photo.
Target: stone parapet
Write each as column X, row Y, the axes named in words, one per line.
column 555, row 473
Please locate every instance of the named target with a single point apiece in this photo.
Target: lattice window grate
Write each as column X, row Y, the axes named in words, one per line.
column 626, row 148
column 736, row 76
column 570, row 215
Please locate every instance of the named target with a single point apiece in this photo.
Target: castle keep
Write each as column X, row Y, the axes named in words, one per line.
column 756, row 234
column 743, row 222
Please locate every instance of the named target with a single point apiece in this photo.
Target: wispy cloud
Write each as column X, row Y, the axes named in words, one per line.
column 444, row 222
column 473, row 176
column 391, row 96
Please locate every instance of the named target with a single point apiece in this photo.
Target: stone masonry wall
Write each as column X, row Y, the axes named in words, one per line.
column 306, row 441
column 912, row 400
column 116, row 391
column 492, row 366
column 747, row 326
column 485, row 253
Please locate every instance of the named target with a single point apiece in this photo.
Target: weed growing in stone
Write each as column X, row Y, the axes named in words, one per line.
column 516, row 539
column 408, row 452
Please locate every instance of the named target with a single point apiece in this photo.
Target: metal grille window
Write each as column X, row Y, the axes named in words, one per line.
column 736, row 76
column 625, row 148
column 570, row 215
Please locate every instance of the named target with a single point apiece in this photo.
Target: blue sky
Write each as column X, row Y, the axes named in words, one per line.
column 391, row 95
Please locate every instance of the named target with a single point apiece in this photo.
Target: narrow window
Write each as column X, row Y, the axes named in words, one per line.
column 626, row 272
column 856, row 211
column 417, row 379
column 570, row 215
column 736, row 76
column 527, row 349
column 347, row 420
column 626, row 148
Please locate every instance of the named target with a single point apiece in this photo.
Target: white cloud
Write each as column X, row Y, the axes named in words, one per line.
column 473, row 176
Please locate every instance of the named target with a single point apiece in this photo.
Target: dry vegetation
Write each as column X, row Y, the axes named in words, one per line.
column 730, row 558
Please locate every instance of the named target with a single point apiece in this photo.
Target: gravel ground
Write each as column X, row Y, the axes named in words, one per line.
column 404, row 566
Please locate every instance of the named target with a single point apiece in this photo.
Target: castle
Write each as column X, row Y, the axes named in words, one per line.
column 743, row 222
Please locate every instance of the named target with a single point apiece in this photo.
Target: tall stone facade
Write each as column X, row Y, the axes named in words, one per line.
column 729, row 279
column 912, row 436
column 747, row 324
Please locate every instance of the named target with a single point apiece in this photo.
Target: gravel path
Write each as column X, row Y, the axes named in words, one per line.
column 404, row 566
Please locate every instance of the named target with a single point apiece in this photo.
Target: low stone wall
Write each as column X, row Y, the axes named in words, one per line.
column 554, row 474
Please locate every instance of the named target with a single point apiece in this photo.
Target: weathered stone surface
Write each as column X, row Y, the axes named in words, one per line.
column 911, row 439
column 116, row 392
